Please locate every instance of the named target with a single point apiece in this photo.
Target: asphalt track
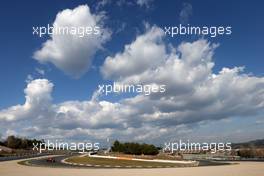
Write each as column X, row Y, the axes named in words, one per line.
column 12, row 168
column 42, row 162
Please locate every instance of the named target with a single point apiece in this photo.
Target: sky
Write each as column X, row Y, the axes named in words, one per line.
column 214, row 85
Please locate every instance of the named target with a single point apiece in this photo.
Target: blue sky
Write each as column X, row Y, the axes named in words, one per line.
column 127, row 21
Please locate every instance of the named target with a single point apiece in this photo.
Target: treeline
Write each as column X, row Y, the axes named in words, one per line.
column 259, row 143
column 134, row 148
column 20, row 143
column 251, row 153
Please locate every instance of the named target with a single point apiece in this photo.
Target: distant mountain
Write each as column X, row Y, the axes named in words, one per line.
column 259, row 143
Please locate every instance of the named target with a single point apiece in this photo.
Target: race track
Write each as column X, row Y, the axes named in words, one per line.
column 11, row 168
column 41, row 162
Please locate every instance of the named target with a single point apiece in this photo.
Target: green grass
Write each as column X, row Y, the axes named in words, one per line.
column 120, row 162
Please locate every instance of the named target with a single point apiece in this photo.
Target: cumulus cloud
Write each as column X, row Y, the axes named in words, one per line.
column 38, row 99
column 146, row 51
column 38, row 116
column 194, row 94
column 69, row 52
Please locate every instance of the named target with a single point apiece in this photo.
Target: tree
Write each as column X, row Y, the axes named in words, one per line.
column 13, row 142
column 21, row 143
column 134, row 148
column 117, row 147
column 24, row 143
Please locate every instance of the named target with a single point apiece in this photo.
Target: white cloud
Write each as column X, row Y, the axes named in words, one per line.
column 194, row 94
column 39, row 116
column 185, row 13
column 121, row 3
column 29, row 78
column 146, row 51
column 40, row 71
column 102, row 3
column 71, row 53
column 38, row 99
column 144, row 3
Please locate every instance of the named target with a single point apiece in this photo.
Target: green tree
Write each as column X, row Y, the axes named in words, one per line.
column 13, row 142
column 134, row 148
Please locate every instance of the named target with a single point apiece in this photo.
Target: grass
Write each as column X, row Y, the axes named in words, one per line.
column 23, row 162
column 120, row 162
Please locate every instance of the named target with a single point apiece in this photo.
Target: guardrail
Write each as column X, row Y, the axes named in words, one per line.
column 146, row 160
column 23, row 156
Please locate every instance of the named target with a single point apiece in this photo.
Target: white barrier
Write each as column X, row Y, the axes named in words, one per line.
column 137, row 159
